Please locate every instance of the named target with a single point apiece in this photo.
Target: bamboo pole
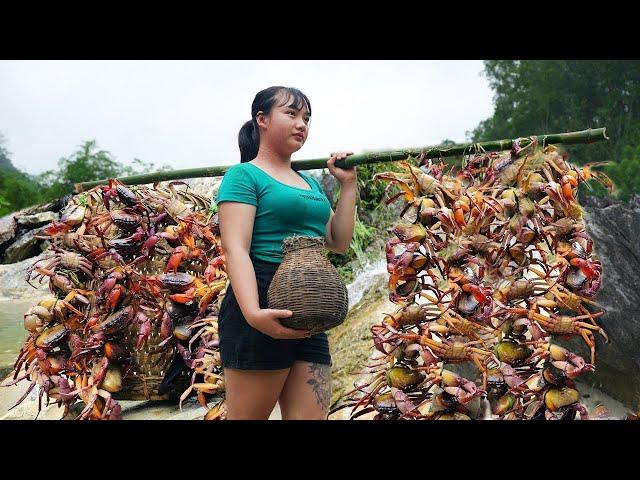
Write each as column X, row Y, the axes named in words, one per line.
column 437, row 151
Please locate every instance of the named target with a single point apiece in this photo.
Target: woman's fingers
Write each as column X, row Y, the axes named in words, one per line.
column 280, row 330
column 293, row 333
column 331, row 165
column 336, row 156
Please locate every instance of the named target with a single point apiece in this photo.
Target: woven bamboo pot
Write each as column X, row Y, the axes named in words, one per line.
column 307, row 284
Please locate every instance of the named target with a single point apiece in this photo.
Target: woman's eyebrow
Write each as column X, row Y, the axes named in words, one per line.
column 292, row 106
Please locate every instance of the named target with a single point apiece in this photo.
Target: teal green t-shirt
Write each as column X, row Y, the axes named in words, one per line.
column 281, row 210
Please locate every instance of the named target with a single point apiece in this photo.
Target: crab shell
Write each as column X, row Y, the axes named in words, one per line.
column 50, row 337
column 176, row 282
column 403, row 377
column 557, row 398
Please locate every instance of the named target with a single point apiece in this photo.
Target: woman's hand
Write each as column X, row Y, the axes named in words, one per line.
column 267, row 321
column 344, row 175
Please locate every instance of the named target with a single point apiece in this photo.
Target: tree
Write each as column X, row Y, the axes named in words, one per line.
column 626, row 172
column 17, row 189
column 557, row 96
column 86, row 164
column 5, row 161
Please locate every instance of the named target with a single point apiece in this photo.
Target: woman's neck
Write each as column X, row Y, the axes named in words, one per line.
column 275, row 160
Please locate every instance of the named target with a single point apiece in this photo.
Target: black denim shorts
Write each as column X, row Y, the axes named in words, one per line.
column 245, row 348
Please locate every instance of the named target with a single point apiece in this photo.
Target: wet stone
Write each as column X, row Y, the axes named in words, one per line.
column 37, row 219
column 24, row 247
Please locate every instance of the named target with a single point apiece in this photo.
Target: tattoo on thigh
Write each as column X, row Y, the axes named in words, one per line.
column 321, row 383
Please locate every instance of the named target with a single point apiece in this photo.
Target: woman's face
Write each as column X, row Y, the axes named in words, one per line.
column 285, row 128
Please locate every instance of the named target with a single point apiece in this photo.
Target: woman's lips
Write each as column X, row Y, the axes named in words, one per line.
column 299, row 136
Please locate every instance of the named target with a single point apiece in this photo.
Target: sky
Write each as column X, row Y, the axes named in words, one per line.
column 187, row 114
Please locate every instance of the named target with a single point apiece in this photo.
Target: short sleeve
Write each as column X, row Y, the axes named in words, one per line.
column 237, row 186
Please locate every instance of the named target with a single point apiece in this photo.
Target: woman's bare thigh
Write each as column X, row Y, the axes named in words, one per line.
column 306, row 394
column 252, row 394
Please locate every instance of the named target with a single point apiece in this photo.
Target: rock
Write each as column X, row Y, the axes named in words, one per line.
column 614, row 227
column 24, row 247
column 13, row 284
column 28, row 218
column 207, row 186
column 329, row 185
column 36, row 219
column 53, row 206
column 8, row 228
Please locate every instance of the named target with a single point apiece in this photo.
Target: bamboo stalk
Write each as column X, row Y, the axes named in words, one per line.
column 437, row 151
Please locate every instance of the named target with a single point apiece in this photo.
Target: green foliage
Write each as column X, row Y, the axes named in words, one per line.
column 372, row 218
column 19, row 190
column 626, row 172
column 362, row 237
column 371, row 193
column 86, row 164
column 546, row 96
column 4, row 206
column 5, row 161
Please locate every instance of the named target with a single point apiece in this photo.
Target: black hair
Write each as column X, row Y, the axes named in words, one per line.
column 249, row 135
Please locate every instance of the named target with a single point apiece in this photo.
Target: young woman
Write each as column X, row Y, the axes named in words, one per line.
column 261, row 201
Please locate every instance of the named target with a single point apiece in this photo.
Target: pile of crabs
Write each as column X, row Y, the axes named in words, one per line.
column 494, row 265
column 136, row 276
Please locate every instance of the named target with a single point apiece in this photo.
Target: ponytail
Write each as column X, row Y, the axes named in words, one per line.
column 249, row 141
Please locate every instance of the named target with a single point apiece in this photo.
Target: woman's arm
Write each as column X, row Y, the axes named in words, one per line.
column 339, row 229
column 236, row 228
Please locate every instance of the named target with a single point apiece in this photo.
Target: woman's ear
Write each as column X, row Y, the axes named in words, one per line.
column 261, row 119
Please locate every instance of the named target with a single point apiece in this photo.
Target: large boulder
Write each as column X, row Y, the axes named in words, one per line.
column 13, row 283
column 52, row 206
column 25, row 246
column 36, row 219
column 329, row 185
column 8, row 228
column 28, row 218
column 615, row 229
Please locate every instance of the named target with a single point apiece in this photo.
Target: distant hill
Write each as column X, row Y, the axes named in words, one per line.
column 5, row 163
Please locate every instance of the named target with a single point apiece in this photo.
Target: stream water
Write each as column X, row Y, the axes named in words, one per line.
column 12, row 332
column 364, row 279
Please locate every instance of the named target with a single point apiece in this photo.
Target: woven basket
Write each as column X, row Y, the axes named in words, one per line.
column 307, row 284
column 142, row 381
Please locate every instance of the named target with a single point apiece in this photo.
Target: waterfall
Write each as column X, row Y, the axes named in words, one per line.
column 364, row 278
